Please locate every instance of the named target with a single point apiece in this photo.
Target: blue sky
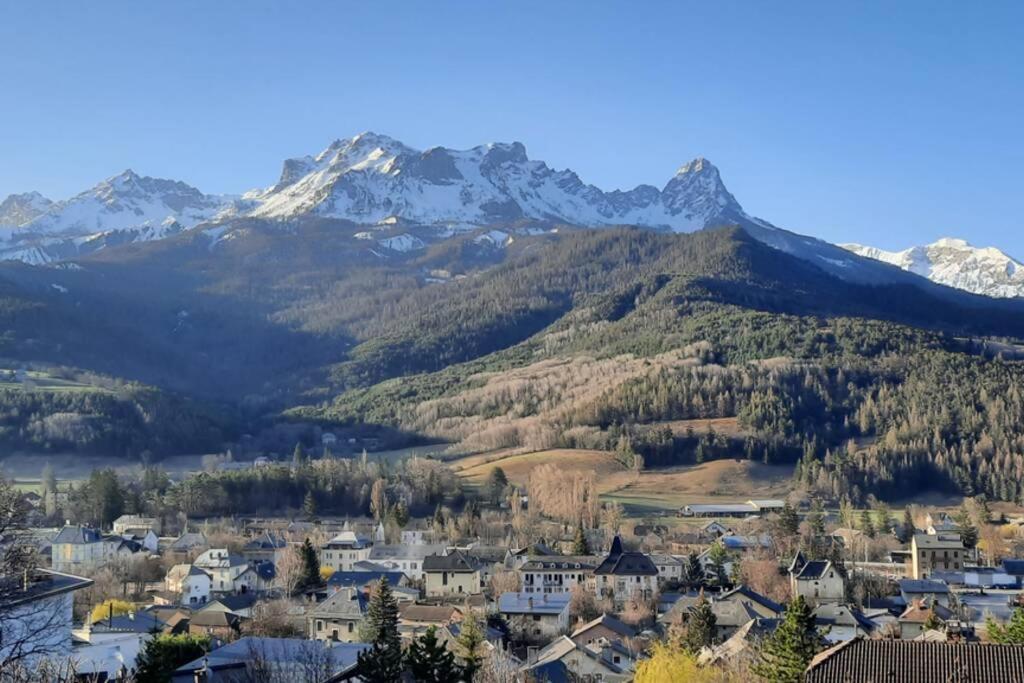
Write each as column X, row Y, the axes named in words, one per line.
column 885, row 123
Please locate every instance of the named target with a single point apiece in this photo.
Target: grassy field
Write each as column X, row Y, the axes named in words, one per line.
column 35, row 379
column 652, row 491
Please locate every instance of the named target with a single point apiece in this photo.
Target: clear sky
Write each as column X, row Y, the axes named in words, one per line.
column 884, row 123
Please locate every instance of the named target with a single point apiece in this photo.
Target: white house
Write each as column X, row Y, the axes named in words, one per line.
column 535, row 616
column 36, row 617
column 670, row 568
column 623, row 574
column 77, row 548
column 344, row 550
column 144, row 536
column 191, row 583
column 125, row 522
column 818, row 581
column 407, row 559
column 224, row 568
column 557, row 573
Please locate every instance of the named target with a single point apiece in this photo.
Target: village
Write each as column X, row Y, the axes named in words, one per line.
column 595, row 600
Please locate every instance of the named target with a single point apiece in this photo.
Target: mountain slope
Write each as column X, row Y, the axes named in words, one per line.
column 956, row 263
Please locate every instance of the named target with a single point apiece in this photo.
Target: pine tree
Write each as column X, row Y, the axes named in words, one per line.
column 383, row 662
column 694, row 572
column 580, row 546
column 866, row 524
column 497, row 482
column 717, row 557
column 310, row 565
column 700, row 627
column 299, row 455
column 968, row 532
column 471, row 637
column 789, row 521
column 816, row 520
column 786, row 653
column 309, row 505
column 907, row 532
column 429, row 661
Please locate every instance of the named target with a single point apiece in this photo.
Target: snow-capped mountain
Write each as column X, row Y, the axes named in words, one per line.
column 19, row 209
column 126, row 201
column 372, row 178
column 125, row 208
column 954, row 262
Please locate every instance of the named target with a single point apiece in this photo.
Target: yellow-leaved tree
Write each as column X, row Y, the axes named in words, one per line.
column 110, row 608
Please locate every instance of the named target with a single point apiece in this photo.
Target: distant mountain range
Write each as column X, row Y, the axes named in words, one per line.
column 406, row 199
column 956, row 263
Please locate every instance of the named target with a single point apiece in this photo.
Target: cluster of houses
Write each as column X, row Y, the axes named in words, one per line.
column 531, row 619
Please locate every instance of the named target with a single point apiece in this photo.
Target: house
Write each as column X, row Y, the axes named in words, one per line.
column 453, row 574
column 413, row 537
column 733, row 610
column 931, row 552
column 741, row 647
column 279, row 659
column 714, row 530
column 911, row 590
column 124, row 523
column 109, row 647
column 557, row 574
column 941, row 524
column 818, row 581
column 328, row 439
column 920, row 612
column 415, row 618
column 188, row 545
column 344, row 550
column 191, row 584
column 216, row 624
column 624, row 573
column 267, row 547
column 605, row 628
column 37, row 616
column 338, row 617
column 900, row 661
column 224, row 568
column 77, row 548
column 1014, row 570
column 575, row 662
column 242, row 605
column 534, row 616
column 405, row 558
column 365, row 580
column 670, row 568
column 144, row 536
column 842, row 622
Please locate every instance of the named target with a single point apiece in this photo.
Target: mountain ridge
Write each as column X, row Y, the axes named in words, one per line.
column 955, row 262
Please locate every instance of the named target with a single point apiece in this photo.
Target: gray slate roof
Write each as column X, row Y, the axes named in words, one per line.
column 903, row 661
column 77, row 535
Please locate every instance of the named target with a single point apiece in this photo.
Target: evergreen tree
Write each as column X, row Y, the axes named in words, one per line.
column 907, row 533
column 299, row 455
column 162, row 654
column 789, row 521
column 429, row 661
column 310, row 565
column 580, row 546
column 816, row 519
column 383, row 662
column 700, row 627
column 968, row 532
column 309, row 505
column 786, row 653
column 866, row 525
column 471, row 637
column 1010, row 634
column 497, row 482
column 400, row 513
column 693, row 573
column 717, row 557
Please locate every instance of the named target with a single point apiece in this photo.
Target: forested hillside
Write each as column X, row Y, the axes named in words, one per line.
column 609, row 339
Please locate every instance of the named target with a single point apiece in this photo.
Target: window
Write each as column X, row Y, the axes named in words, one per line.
column 319, row 624
column 351, row 627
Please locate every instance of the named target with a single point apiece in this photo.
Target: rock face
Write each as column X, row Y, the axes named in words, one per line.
column 956, row 263
column 372, row 178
